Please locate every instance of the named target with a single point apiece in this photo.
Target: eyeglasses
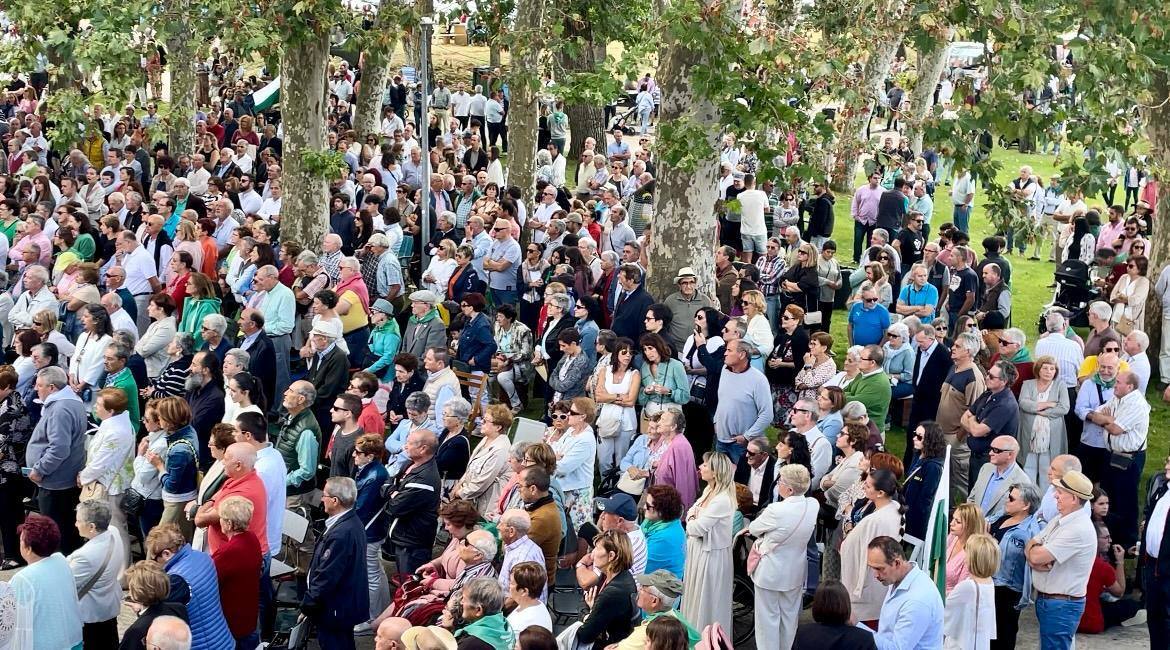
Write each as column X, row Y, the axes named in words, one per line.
column 801, row 411
column 1006, row 342
column 499, row 229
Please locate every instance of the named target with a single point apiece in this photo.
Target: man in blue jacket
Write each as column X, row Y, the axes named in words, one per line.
column 336, row 597
column 56, row 453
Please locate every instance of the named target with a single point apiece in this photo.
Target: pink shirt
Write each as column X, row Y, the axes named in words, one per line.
column 956, row 563
column 864, row 208
column 1109, row 234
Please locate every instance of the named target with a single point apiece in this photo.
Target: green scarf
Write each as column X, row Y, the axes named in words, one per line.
column 693, row 636
column 492, row 630
column 650, row 527
column 1107, row 385
column 430, row 315
column 389, row 327
column 1023, row 356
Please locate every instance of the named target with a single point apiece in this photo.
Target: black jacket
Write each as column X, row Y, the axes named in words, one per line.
column 891, row 211
column 928, row 389
column 452, row 455
column 612, row 616
column 396, row 402
column 818, row 636
column 329, row 375
column 135, row 636
column 336, row 595
column 713, row 362
column 820, row 222
column 743, row 474
column 918, row 493
column 262, row 366
column 206, row 411
column 549, row 336
column 1158, row 491
column 413, row 506
column 629, row 319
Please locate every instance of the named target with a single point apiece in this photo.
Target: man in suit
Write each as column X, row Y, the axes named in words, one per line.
column 630, row 304
column 328, row 370
column 757, row 470
column 997, row 476
column 932, row 362
column 336, row 597
column 261, row 354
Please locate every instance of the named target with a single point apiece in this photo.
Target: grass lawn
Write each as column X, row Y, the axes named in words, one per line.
column 1030, row 280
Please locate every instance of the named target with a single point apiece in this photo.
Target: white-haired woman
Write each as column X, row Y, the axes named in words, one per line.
column 441, row 267
column 852, row 368
column 898, row 360
column 708, row 572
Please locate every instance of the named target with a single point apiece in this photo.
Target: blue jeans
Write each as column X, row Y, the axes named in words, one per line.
column 1058, row 621
column 733, row 450
column 644, row 120
column 773, row 304
column 504, row 297
column 962, row 218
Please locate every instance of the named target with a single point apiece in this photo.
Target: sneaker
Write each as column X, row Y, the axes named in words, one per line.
column 363, row 629
column 1138, row 619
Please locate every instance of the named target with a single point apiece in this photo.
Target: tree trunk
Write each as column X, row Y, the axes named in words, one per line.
column 684, row 202
column 930, row 68
column 181, row 57
column 853, row 143
column 585, row 119
column 524, row 110
column 305, row 205
column 494, row 55
column 375, row 72
column 1158, row 132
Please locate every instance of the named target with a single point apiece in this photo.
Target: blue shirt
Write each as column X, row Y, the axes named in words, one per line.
column 279, row 307
column 993, row 482
column 911, row 616
column 927, row 296
column 868, row 324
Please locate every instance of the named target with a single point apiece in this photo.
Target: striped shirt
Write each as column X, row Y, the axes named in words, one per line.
column 1067, row 353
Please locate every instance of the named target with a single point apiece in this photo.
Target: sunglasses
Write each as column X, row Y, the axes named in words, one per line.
column 560, row 416
column 576, row 413
column 870, row 300
column 997, row 450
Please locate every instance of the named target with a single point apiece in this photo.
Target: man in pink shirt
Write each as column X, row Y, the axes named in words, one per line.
column 1111, row 231
column 864, row 211
column 33, row 234
column 239, row 464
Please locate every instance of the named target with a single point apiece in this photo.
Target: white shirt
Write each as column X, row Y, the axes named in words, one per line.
column 460, row 103
column 536, row 615
column 198, row 180
column 122, row 321
column 822, row 453
column 250, row 202
column 1131, row 413
column 543, row 214
column 1072, row 541
column 139, row 267
column 1155, row 525
column 752, row 204
column 269, row 208
column 756, row 481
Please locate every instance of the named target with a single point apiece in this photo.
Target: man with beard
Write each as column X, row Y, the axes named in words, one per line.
column 204, row 387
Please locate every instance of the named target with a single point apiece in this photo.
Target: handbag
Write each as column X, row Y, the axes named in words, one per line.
column 812, row 317
column 94, row 491
column 132, row 502
column 631, row 486
column 609, row 421
column 754, row 554
column 1125, row 325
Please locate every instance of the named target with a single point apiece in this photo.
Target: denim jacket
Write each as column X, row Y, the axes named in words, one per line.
column 1014, row 572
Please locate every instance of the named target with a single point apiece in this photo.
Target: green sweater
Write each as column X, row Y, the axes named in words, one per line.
column 874, row 392
column 124, row 381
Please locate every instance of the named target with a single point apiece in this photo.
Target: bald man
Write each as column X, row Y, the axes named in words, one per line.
column 997, row 476
column 389, row 636
column 168, row 633
column 239, row 464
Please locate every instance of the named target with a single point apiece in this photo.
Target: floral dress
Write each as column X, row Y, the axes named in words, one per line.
column 15, row 430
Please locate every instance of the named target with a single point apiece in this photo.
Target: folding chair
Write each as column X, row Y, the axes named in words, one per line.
column 294, row 530
column 475, row 384
column 528, row 430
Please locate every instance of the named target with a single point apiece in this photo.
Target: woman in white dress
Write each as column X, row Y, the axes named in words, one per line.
column 616, row 392
column 969, row 614
column 441, row 267
column 708, row 572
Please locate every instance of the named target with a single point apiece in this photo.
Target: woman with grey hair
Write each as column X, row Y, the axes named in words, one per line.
column 544, row 170
column 1013, row 580
column 454, row 447
column 418, row 416
column 898, row 360
column 214, row 339
column 510, row 493
column 237, row 564
column 95, row 568
column 171, row 379
column 852, row 368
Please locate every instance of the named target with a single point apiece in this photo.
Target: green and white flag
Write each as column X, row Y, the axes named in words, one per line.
column 267, row 96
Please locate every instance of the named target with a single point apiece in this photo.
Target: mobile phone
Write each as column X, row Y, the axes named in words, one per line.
column 25, row 471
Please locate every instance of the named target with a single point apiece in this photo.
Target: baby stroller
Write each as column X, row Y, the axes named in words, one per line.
column 1074, row 292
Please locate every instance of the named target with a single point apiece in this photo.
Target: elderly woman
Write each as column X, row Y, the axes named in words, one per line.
column 792, row 344
column 108, row 469
column 487, row 470
column 385, row 339
column 1013, row 580
column 178, row 465
column 512, row 362
column 167, row 546
column 898, row 360
column 163, row 327
column 148, row 592
column 44, row 323
column 237, row 566
column 817, row 368
column 459, row 518
column 200, row 302
column 46, row 591
column 417, row 407
column 548, row 352
column 852, row 368
column 441, row 267
column 666, row 541
column 172, row 378
column 353, row 307
column 214, row 339
column 576, row 452
column 96, row 567
column 453, row 447
column 510, row 493
column 476, row 344
column 87, row 370
column 1043, row 403
column 782, row 531
column 371, row 475
column 924, row 475
column 852, row 442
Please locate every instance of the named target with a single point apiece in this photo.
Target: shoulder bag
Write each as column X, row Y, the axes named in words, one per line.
column 754, row 554
column 89, row 584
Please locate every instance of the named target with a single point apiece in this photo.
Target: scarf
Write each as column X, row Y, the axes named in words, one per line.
column 1023, row 356
column 430, row 315
column 652, row 527
column 492, row 630
column 357, row 285
column 1105, row 385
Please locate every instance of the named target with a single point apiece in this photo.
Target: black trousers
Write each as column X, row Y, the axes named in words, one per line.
column 61, row 507
column 100, row 636
column 1073, row 425
column 498, row 130
column 1007, row 618
column 12, row 493
column 1157, row 590
column 1122, row 487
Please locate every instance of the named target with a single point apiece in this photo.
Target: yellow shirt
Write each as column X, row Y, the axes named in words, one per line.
column 356, row 318
column 1089, row 366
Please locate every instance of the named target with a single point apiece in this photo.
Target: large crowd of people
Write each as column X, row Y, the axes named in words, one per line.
column 187, row 387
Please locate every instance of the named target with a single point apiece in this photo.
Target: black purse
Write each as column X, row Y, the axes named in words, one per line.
column 132, row 502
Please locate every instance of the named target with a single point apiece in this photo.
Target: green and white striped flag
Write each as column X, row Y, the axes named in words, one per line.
column 267, row 96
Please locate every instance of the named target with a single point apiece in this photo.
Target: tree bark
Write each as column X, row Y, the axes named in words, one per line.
column 494, row 56
column 852, row 141
column 524, row 109
column 930, row 69
column 585, row 119
column 181, row 57
column 305, row 204
column 684, row 202
column 376, row 72
column 1158, row 132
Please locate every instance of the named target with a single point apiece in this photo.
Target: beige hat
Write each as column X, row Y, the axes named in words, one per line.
column 328, row 328
column 1077, row 483
column 442, row 636
column 685, row 272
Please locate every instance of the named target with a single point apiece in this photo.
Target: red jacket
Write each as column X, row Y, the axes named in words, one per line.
column 237, row 564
